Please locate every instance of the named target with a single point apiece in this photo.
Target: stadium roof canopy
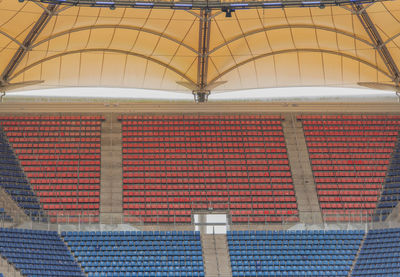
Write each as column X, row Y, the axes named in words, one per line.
column 201, row 49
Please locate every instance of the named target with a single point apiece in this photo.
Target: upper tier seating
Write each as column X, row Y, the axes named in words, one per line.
column 14, row 182
column 350, row 155
column 176, row 164
column 390, row 196
column 293, row 253
column 38, row 253
column 380, row 254
column 61, row 157
column 137, row 253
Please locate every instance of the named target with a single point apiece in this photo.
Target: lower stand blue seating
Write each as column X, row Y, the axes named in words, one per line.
column 293, row 253
column 38, row 253
column 380, row 254
column 4, row 216
column 391, row 191
column 129, row 253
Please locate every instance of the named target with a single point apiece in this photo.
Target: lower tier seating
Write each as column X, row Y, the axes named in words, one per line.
column 129, row 253
column 380, row 254
column 179, row 253
column 390, row 196
column 176, row 165
column 350, row 155
column 4, row 217
column 293, row 253
column 38, row 253
column 61, row 158
column 15, row 183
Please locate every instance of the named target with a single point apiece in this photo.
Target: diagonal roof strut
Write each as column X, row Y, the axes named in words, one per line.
column 202, row 88
column 28, row 41
column 376, row 39
column 204, row 46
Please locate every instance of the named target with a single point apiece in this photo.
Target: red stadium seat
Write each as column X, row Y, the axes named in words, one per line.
column 60, row 154
column 349, row 155
column 219, row 161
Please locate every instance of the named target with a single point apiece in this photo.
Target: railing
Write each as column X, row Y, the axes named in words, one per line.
column 119, row 221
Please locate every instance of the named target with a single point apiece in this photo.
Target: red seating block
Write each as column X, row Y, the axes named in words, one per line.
column 61, row 158
column 349, row 156
column 184, row 163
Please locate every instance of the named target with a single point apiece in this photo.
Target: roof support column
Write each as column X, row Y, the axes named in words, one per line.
column 201, row 93
column 28, row 41
column 376, row 39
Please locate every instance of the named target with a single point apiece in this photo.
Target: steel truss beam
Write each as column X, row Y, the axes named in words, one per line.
column 201, row 93
column 201, row 89
column 11, row 38
column 193, row 4
column 376, row 39
column 28, row 41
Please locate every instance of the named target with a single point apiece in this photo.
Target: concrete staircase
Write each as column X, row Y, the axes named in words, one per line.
column 111, row 170
column 72, row 253
column 395, row 215
column 358, row 253
column 303, row 180
column 13, row 210
column 216, row 256
column 7, row 269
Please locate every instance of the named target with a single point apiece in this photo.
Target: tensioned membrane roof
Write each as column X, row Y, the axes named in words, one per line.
column 155, row 48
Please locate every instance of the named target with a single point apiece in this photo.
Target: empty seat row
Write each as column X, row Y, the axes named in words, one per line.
column 58, row 152
column 380, row 254
column 391, row 189
column 197, row 117
column 180, row 153
column 15, row 183
column 38, row 253
column 293, row 253
column 137, row 253
column 347, row 150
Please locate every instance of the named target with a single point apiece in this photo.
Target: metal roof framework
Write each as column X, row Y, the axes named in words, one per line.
column 157, row 48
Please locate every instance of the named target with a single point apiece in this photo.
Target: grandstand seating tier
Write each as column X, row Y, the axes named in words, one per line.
column 15, row 183
column 38, row 253
column 293, row 253
column 61, row 157
column 390, row 196
column 380, row 254
column 176, row 164
column 350, row 156
column 131, row 253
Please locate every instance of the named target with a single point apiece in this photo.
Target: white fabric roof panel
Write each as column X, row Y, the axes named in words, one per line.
column 155, row 48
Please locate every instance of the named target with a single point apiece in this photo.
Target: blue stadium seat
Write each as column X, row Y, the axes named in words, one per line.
column 38, row 253
column 15, row 183
column 391, row 190
column 380, row 254
column 293, row 253
column 149, row 253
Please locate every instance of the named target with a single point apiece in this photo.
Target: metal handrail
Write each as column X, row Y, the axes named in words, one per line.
column 118, row 220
